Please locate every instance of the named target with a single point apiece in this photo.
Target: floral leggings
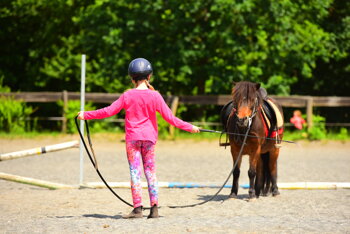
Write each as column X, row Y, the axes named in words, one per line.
column 135, row 151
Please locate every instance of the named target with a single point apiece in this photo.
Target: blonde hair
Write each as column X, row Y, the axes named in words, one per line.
column 297, row 113
column 149, row 85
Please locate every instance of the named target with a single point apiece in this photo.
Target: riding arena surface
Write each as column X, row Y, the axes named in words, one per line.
column 31, row 209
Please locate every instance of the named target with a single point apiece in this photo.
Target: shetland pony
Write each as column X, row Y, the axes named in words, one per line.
column 247, row 105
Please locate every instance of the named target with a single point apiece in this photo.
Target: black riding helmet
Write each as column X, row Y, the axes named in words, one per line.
column 139, row 69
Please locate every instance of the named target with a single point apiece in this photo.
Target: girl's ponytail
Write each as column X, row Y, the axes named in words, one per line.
column 149, row 85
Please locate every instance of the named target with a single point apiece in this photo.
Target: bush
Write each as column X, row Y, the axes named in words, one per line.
column 343, row 134
column 318, row 131
column 13, row 114
column 71, row 112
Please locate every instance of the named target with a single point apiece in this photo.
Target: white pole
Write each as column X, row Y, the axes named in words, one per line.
column 82, row 106
column 38, row 150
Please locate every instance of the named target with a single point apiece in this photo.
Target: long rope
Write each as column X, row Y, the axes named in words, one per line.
column 239, row 134
column 229, row 176
column 94, row 163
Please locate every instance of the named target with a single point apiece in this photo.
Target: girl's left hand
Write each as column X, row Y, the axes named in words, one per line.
column 81, row 115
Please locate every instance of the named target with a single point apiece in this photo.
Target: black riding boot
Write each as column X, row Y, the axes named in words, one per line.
column 154, row 212
column 135, row 213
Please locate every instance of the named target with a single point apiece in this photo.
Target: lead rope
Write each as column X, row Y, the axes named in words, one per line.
column 228, row 177
column 94, row 163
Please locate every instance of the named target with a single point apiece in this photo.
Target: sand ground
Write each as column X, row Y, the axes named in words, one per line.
column 29, row 209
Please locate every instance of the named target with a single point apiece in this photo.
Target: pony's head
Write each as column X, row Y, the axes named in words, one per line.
column 246, row 100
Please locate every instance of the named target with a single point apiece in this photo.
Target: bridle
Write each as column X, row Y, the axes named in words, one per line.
column 251, row 116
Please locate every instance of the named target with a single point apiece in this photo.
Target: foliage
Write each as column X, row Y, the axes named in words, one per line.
column 71, row 112
column 3, row 88
column 330, row 76
column 13, row 114
column 343, row 134
column 196, row 46
column 318, row 130
column 163, row 127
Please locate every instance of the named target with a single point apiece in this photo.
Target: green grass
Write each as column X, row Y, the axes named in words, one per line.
column 33, row 134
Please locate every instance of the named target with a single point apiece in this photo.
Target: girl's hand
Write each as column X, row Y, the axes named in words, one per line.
column 195, row 129
column 81, row 115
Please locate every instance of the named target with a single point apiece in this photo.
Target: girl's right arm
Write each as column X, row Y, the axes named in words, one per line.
column 105, row 112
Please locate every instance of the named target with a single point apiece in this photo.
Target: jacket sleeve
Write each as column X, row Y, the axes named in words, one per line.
column 168, row 116
column 108, row 111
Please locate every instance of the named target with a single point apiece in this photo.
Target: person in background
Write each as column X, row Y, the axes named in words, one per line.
column 141, row 131
column 297, row 119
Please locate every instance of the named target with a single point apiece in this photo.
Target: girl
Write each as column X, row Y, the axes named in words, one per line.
column 141, row 105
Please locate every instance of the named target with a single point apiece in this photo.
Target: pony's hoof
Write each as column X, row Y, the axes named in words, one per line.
column 275, row 193
column 252, row 195
column 232, row 196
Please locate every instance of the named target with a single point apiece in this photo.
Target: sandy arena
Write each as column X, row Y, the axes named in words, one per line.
column 30, row 209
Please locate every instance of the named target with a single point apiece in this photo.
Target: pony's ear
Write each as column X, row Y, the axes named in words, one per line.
column 257, row 86
column 234, row 83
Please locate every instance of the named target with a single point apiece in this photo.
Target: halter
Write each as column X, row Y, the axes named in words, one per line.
column 250, row 118
column 254, row 109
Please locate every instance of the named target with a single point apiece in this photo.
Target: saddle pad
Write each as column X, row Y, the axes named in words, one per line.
column 266, row 118
column 278, row 114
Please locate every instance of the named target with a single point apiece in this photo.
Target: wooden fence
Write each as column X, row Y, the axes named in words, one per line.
column 307, row 102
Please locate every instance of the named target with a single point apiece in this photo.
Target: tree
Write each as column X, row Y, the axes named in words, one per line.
column 195, row 47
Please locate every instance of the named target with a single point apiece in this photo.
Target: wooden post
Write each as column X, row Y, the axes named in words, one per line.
column 174, row 105
column 64, row 111
column 309, row 111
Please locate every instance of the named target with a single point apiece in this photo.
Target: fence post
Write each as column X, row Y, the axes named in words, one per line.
column 174, row 105
column 64, row 111
column 309, row 110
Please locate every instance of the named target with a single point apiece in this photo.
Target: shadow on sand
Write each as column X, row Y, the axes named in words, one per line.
column 221, row 198
column 102, row 216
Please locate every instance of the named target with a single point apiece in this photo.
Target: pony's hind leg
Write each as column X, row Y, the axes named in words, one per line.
column 265, row 158
column 259, row 180
column 273, row 171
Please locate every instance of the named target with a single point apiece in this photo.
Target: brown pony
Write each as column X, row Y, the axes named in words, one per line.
column 263, row 153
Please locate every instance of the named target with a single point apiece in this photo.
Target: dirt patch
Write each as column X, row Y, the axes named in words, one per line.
column 26, row 208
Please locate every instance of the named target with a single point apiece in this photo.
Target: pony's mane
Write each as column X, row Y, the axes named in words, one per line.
column 246, row 89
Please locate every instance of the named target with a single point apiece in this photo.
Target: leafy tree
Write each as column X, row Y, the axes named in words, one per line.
column 195, row 46
column 31, row 30
column 331, row 76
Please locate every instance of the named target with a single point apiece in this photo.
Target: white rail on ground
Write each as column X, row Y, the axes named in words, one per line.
column 38, row 150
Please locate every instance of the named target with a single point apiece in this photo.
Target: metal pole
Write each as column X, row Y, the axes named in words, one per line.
column 82, row 106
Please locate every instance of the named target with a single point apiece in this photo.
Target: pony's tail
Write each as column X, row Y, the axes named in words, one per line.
column 149, row 85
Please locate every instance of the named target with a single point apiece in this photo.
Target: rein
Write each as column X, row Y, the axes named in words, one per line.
column 239, row 134
column 94, row 163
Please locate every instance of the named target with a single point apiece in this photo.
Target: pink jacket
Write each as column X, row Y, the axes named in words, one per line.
column 140, row 117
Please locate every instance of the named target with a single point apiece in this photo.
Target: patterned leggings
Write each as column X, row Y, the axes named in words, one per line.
column 135, row 150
